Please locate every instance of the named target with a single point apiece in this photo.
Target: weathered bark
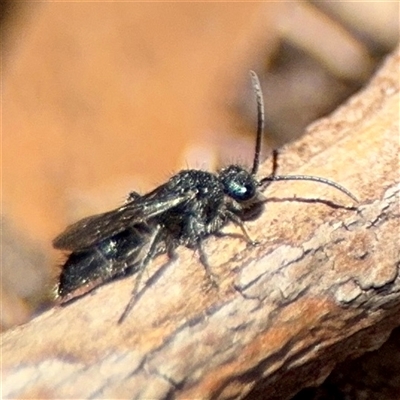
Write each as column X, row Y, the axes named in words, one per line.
column 323, row 285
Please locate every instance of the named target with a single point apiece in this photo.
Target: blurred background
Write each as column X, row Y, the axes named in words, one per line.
column 99, row 99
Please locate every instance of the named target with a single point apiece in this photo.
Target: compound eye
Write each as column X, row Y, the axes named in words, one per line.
column 241, row 191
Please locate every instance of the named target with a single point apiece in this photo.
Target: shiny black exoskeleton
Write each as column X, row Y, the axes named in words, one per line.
column 185, row 210
column 190, row 206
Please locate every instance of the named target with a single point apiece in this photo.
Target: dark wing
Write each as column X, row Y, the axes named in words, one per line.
column 92, row 230
column 111, row 258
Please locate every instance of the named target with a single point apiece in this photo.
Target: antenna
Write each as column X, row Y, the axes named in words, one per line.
column 328, row 182
column 260, row 120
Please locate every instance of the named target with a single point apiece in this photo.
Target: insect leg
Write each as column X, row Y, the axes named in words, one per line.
column 275, row 155
column 237, row 221
column 152, row 249
column 171, row 246
column 274, row 169
column 203, row 259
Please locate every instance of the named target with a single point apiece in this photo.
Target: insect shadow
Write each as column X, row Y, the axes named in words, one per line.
column 190, row 206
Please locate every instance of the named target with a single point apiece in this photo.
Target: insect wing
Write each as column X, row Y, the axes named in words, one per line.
column 114, row 257
column 92, row 230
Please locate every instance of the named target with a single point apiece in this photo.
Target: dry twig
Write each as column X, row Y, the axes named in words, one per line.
column 323, row 285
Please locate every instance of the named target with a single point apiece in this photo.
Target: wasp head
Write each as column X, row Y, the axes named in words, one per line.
column 238, row 184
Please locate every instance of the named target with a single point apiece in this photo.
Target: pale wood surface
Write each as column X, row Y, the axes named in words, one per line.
column 323, row 285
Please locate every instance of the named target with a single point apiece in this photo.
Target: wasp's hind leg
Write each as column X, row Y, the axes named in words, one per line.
column 154, row 241
column 204, row 261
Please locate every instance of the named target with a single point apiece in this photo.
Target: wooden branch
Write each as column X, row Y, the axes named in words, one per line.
column 323, row 285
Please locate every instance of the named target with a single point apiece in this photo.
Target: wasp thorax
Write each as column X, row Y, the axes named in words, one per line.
column 238, row 183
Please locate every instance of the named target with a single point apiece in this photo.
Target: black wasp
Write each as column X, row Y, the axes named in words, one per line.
column 190, row 206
